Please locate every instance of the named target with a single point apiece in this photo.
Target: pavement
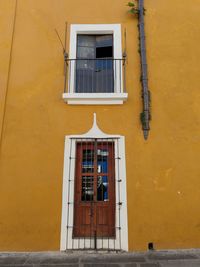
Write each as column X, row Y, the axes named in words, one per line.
column 172, row 258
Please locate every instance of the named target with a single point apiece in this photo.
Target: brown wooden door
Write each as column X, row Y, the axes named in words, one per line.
column 94, row 199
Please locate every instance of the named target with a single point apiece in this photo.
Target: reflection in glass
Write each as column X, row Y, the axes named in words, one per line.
column 94, row 64
column 85, row 40
column 102, row 160
column 102, row 188
column 87, row 188
column 88, row 161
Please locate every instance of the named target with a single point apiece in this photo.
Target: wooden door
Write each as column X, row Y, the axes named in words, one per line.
column 94, row 201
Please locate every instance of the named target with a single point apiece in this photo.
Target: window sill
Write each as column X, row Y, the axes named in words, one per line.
column 95, row 98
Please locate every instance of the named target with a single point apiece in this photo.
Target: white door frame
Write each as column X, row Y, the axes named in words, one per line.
column 120, row 242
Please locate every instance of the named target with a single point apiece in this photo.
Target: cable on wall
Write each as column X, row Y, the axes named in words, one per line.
column 9, row 69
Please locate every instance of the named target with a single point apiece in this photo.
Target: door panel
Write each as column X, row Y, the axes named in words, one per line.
column 94, row 203
column 86, row 216
column 101, row 218
column 104, row 221
column 83, row 223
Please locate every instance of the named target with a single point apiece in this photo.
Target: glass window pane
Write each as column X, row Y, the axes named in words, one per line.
column 87, row 188
column 102, row 160
column 104, row 40
column 85, row 52
column 94, row 76
column 86, row 40
column 85, row 65
column 84, row 81
column 88, row 161
column 102, row 188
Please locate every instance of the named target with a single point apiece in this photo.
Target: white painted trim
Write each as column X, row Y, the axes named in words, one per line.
column 120, row 173
column 114, row 29
column 95, row 98
column 64, row 194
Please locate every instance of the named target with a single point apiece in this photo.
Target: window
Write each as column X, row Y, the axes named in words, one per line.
column 96, row 69
column 94, row 64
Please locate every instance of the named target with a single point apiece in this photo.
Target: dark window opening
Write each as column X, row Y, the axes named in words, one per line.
column 103, row 52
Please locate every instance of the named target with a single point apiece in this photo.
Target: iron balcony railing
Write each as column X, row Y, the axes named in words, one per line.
column 102, row 75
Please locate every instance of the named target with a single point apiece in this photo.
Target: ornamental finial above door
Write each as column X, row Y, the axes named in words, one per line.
column 95, row 131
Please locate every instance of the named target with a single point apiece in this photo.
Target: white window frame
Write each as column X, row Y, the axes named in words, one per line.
column 95, row 98
column 67, row 241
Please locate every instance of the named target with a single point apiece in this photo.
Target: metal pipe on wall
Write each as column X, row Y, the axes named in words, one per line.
column 145, row 115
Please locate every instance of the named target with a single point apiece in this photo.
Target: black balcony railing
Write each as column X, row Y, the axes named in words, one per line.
column 102, row 75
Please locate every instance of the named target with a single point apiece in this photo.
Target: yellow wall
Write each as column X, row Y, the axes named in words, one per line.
column 162, row 173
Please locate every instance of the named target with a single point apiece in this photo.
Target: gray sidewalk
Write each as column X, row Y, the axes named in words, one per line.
column 178, row 258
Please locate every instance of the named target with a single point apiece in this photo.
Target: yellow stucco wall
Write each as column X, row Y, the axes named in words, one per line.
column 162, row 173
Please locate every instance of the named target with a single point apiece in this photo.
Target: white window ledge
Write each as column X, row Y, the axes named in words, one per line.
column 95, row 98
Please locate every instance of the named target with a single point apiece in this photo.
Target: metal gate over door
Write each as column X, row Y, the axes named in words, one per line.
column 94, row 197
column 94, row 201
